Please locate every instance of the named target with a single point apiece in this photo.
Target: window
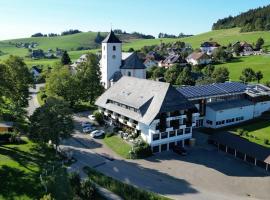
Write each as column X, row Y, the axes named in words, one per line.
column 188, row 130
column 114, row 48
column 164, row 147
column 113, row 56
column 171, row 145
column 180, row 132
column 155, row 137
column 155, row 149
column 164, row 135
column 172, row 133
column 209, row 122
column 129, row 73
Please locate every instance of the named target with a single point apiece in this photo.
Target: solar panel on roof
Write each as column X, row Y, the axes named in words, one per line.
column 212, row 90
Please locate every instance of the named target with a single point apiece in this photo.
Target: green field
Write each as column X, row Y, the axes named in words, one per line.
column 224, row 37
column 71, row 42
column 261, row 62
column 20, row 168
column 258, row 131
column 118, row 145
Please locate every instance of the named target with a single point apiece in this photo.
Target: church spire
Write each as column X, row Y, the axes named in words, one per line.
column 111, row 38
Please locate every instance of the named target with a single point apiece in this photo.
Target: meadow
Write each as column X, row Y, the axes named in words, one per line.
column 72, row 42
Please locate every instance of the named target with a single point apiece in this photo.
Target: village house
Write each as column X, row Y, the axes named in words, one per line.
column 198, row 58
column 209, row 47
column 246, row 49
column 172, row 60
column 6, row 126
column 150, row 63
column 35, row 71
column 156, row 111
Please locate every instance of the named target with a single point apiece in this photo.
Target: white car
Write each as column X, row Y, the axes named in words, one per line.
column 87, row 129
column 97, row 133
column 91, row 117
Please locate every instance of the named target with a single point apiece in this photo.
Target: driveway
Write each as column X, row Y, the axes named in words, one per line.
column 203, row 174
column 33, row 102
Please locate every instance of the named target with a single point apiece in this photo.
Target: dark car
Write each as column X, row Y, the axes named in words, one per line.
column 180, row 150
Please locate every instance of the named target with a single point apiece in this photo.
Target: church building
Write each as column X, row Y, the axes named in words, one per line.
column 114, row 63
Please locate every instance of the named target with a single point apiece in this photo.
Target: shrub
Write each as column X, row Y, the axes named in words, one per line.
column 240, row 131
column 109, row 134
column 88, row 190
column 142, row 150
column 75, row 182
column 266, row 141
column 98, row 117
column 47, row 197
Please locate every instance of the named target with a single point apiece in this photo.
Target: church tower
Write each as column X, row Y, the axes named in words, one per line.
column 111, row 59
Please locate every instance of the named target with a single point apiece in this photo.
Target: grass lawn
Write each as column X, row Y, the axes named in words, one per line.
column 40, row 101
column 20, row 168
column 118, row 145
column 260, row 62
column 124, row 190
column 260, row 130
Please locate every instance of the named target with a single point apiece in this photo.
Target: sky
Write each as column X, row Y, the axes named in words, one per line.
column 22, row 18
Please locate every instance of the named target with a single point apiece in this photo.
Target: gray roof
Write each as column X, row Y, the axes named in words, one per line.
column 6, row 124
column 242, row 145
column 215, row 89
column 111, row 38
column 224, row 105
column 116, row 76
column 132, row 62
column 149, row 97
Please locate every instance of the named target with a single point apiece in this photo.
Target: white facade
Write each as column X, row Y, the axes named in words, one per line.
column 111, row 61
column 222, row 118
column 198, row 61
column 208, row 50
column 149, row 133
column 139, row 73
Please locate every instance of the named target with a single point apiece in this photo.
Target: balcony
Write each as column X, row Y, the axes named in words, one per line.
column 114, row 116
column 121, row 120
column 176, row 117
column 106, row 112
column 182, row 126
column 195, row 114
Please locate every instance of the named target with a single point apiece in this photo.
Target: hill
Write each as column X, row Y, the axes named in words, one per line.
column 85, row 40
column 224, row 37
column 253, row 20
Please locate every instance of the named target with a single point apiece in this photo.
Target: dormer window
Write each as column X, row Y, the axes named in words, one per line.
column 114, row 48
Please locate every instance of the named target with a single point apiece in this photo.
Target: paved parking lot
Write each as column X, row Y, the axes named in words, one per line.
column 203, row 174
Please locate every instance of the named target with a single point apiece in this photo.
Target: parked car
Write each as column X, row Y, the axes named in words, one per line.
column 91, row 117
column 88, row 129
column 180, row 150
column 97, row 133
column 86, row 124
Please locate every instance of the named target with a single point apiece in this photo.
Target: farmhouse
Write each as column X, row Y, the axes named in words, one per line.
column 209, row 47
column 172, row 60
column 155, row 110
column 115, row 62
column 198, row 58
column 224, row 104
column 6, row 126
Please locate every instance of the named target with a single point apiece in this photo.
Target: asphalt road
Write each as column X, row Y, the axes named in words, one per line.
column 204, row 174
column 33, row 102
